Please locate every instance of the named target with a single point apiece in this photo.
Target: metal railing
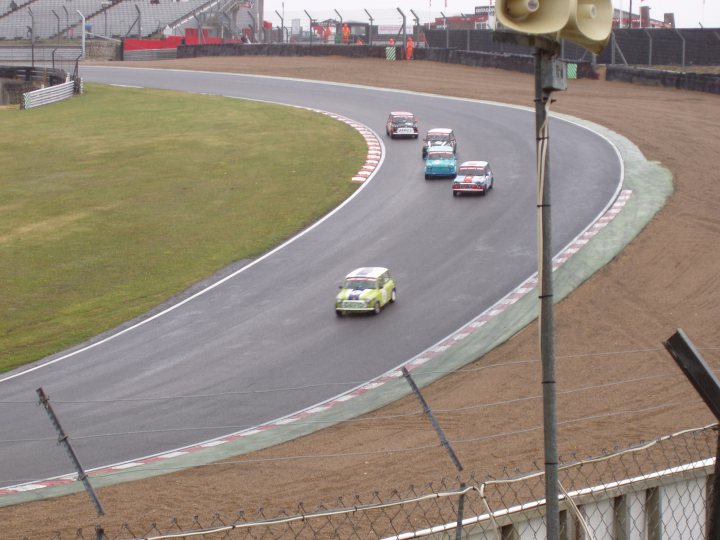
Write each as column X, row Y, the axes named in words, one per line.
column 51, row 94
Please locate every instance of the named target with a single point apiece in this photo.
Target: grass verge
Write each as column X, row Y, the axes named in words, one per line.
column 114, row 201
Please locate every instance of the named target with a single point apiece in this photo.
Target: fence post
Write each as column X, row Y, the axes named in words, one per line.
column 63, row 439
column 370, row 38
column 707, row 385
column 683, row 46
column 445, row 443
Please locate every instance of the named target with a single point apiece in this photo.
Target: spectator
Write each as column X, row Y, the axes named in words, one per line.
column 13, row 5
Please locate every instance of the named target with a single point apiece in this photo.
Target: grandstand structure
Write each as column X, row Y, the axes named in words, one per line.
column 56, row 19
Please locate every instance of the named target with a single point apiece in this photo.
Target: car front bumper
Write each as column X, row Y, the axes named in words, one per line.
column 440, row 172
column 353, row 305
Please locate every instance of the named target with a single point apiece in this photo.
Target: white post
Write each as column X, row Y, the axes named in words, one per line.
column 83, row 33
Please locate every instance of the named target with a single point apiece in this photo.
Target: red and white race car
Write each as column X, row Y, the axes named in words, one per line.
column 473, row 177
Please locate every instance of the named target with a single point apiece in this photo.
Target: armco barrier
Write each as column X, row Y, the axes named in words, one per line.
column 280, row 49
column 150, row 54
column 700, row 82
column 48, row 95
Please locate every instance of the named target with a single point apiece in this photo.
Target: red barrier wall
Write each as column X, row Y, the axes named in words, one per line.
column 172, row 42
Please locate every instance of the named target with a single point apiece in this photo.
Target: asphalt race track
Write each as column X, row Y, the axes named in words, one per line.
column 273, row 325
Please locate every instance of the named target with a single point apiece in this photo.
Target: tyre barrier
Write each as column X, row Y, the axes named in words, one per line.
column 33, row 86
column 699, row 82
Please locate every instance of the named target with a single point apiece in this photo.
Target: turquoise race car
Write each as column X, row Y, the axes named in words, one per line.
column 440, row 162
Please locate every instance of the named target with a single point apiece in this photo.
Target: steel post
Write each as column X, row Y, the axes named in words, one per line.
column 543, row 62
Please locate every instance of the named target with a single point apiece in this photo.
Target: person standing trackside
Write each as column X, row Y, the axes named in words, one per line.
column 409, row 50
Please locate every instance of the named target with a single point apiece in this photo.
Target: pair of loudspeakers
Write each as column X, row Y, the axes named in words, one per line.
column 585, row 22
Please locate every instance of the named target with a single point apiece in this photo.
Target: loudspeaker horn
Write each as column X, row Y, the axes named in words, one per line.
column 585, row 22
column 590, row 24
column 533, row 16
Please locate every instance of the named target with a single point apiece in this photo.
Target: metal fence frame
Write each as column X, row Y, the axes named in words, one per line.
column 655, row 490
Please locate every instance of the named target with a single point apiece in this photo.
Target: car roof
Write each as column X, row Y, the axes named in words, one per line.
column 370, row 272
column 443, row 131
column 474, row 164
column 401, row 113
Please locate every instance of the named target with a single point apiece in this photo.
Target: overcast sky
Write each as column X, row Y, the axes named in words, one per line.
column 688, row 13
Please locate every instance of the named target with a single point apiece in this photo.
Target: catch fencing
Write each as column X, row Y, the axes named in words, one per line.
column 652, row 491
column 46, row 55
column 637, row 46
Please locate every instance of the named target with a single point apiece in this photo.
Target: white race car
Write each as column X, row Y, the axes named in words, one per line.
column 473, row 177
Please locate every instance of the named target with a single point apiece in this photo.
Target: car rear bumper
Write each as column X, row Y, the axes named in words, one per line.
column 469, row 189
column 404, row 134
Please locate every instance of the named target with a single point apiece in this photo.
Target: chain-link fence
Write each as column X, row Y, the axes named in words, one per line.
column 657, row 47
column 659, row 489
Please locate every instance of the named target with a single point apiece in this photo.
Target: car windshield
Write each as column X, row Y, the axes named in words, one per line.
column 440, row 155
column 474, row 171
column 437, row 138
column 403, row 120
column 360, row 284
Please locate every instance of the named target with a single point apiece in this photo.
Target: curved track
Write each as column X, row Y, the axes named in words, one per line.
column 273, row 325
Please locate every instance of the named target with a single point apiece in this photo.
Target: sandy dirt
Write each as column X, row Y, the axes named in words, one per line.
column 608, row 331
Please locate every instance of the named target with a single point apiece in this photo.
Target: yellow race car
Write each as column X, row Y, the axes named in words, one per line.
column 366, row 289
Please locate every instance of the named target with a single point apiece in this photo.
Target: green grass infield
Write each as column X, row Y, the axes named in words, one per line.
column 116, row 200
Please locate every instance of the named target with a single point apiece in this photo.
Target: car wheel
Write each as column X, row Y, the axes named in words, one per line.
column 339, row 312
column 427, row 177
column 456, row 193
column 376, row 308
column 393, row 296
